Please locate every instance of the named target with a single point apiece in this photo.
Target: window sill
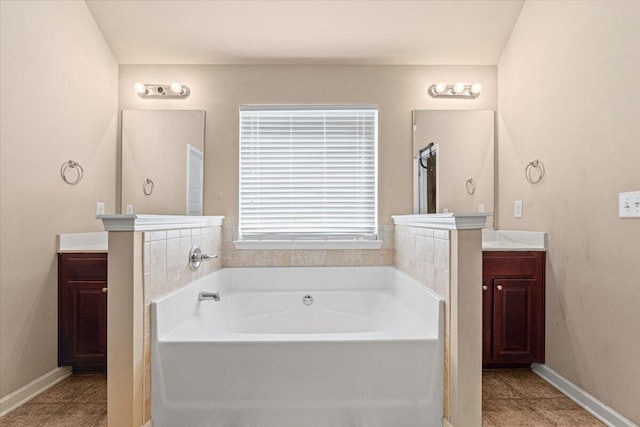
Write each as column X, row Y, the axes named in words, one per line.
column 308, row 244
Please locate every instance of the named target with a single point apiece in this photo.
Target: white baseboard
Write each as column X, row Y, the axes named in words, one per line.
column 589, row 403
column 34, row 388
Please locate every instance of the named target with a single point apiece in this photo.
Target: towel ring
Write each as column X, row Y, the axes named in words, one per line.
column 64, row 168
column 147, row 187
column 471, row 186
column 535, row 165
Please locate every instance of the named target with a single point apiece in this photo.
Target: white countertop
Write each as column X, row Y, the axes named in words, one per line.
column 512, row 240
column 83, row 242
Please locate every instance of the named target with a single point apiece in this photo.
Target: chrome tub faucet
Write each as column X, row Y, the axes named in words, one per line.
column 203, row 296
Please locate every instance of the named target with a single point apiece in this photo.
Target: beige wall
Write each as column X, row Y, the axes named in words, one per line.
column 568, row 95
column 59, row 88
column 220, row 90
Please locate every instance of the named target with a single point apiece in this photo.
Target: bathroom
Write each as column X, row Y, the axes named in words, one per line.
column 559, row 75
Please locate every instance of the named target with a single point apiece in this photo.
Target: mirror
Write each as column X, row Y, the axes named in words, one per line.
column 162, row 161
column 453, row 153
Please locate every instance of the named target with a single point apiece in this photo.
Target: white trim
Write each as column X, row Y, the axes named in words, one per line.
column 157, row 222
column 308, row 244
column 34, row 388
column 589, row 403
column 445, row 221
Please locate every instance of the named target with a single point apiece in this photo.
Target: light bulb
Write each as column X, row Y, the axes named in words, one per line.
column 458, row 87
column 176, row 88
column 140, row 88
column 441, row 87
column 476, row 88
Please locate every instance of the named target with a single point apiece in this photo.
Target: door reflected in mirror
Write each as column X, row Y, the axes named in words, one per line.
column 453, row 154
column 162, row 161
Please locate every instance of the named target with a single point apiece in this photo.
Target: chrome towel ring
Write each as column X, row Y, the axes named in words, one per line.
column 71, row 165
column 471, row 186
column 147, row 187
column 534, row 172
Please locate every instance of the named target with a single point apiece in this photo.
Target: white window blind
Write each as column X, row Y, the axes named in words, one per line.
column 308, row 172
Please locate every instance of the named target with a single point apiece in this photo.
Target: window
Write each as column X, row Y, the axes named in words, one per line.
column 308, row 172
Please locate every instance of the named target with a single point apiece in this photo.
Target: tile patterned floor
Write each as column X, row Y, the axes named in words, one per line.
column 509, row 399
column 80, row 400
column 521, row 398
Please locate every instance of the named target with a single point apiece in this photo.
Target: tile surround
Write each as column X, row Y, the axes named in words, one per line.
column 166, row 269
column 420, row 252
column 423, row 253
column 232, row 257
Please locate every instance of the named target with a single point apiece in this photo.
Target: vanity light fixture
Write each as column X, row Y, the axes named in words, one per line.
column 173, row 91
column 458, row 90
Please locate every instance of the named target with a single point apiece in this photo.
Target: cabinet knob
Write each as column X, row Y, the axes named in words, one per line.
column 499, row 287
column 104, row 290
column 485, row 287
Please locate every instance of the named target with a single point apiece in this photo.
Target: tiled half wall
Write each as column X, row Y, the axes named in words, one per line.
column 166, row 269
column 424, row 254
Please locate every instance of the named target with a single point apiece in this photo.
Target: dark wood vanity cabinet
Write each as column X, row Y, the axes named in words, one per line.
column 513, row 286
column 82, row 311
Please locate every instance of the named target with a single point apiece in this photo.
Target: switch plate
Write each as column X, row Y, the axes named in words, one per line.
column 517, row 209
column 481, row 208
column 99, row 208
column 629, row 205
column 129, row 209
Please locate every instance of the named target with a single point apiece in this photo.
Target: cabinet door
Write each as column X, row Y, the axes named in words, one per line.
column 86, row 320
column 82, row 311
column 518, row 324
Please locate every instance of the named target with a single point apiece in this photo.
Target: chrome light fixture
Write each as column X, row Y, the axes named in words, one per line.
column 173, row 91
column 458, row 90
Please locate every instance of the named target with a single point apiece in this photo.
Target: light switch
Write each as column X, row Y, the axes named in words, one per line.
column 99, row 208
column 629, row 204
column 517, row 209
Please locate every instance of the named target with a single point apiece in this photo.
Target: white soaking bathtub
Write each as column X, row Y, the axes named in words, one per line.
column 367, row 351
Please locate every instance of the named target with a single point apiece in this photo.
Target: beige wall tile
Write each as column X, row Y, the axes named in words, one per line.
column 158, row 255
column 174, row 252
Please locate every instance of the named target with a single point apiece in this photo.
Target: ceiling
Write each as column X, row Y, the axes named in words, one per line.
column 452, row 32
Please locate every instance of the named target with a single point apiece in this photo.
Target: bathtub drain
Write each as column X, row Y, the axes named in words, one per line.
column 307, row 300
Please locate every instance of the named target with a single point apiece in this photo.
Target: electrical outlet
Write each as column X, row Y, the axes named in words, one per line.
column 99, row 208
column 629, row 205
column 481, row 208
column 517, row 209
column 129, row 209
column 445, row 210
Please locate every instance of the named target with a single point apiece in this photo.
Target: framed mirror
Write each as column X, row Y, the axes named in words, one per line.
column 162, row 162
column 453, row 153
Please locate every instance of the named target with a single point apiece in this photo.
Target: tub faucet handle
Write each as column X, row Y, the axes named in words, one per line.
column 196, row 257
